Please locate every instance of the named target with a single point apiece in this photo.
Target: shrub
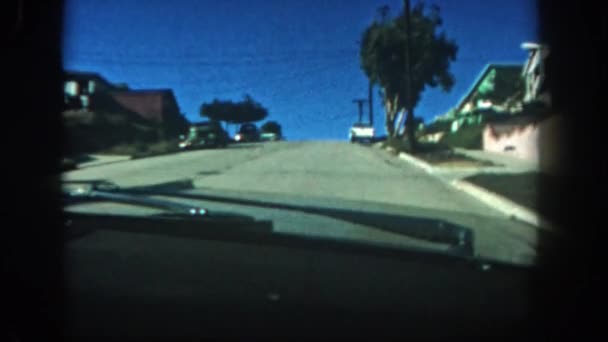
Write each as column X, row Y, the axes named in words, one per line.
column 140, row 146
column 438, row 126
column 398, row 144
column 468, row 136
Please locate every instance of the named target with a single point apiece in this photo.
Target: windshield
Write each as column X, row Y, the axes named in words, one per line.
column 456, row 112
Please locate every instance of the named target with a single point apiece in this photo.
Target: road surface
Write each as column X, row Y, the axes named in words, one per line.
column 322, row 172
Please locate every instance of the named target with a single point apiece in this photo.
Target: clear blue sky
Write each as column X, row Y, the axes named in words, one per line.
column 297, row 58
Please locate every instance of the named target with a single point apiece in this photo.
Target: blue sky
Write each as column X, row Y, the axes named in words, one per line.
column 297, row 58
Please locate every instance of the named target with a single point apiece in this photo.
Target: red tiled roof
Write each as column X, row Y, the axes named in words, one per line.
column 150, row 104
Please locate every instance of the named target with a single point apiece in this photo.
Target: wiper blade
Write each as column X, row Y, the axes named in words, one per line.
column 109, row 191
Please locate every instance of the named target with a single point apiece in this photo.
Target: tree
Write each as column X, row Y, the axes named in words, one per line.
column 383, row 60
column 271, row 127
column 417, row 123
column 244, row 111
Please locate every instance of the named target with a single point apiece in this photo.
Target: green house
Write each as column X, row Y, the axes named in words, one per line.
column 497, row 87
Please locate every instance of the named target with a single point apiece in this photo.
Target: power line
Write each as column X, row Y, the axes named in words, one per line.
column 235, row 52
column 242, row 60
column 268, row 81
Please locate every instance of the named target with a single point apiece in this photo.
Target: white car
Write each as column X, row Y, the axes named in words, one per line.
column 361, row 132
column 269, row 136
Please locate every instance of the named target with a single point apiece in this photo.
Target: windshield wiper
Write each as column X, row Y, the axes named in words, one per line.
column 107, row 191
column 460, row 239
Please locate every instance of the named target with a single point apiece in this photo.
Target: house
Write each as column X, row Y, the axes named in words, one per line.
column 79, row 87
column 529, row 137
column 534, row 73
column 88, row 91
column 536, row 134
column 497, row 87
column 158, row 106
column 512, row 103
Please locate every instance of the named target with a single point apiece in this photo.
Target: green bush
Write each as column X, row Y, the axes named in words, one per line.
column 468, row 136
column 427, row 147
column 398, row 144
column 438, row 126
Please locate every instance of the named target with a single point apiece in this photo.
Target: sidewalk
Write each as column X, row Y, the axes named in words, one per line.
column 505, row 164
column 511, row 164
column 455, row 177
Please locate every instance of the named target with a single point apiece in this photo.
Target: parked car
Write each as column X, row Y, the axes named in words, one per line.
column 205, row 134
column 361, row 132
column 247, row 133
column 270, row 136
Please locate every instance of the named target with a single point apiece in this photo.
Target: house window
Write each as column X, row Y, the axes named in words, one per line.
column 85, row 101
column 484, row 104
column 71, row 88
column 91, row 87
column 467, row 108
column 487, row 85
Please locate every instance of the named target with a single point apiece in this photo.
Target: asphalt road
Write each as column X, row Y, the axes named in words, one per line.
column 326, row 173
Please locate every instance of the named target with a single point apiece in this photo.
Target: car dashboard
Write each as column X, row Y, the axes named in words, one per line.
column 170, row 279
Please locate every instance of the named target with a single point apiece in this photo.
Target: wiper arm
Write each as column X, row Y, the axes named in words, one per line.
column 108, row 191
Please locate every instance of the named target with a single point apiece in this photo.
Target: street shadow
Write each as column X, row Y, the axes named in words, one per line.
column 460, row 238
column 83, row 158
column 433, row 230
column 217, row 225
column 244, row 145
column 166, row 187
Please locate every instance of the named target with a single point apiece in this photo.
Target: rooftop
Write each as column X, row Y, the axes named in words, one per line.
column 504, row 72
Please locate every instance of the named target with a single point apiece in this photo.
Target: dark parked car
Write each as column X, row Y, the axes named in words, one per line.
column 247, row 133
column 205, row 134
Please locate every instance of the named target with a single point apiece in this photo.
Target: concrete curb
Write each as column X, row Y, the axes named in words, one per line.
column 492, row 199
column 417, row 162
column 439, row 169
column 503, row 204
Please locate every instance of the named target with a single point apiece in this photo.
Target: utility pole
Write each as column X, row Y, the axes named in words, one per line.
column 408, row 78
column 360, row 103
column 370, row 101
column 383, row 11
